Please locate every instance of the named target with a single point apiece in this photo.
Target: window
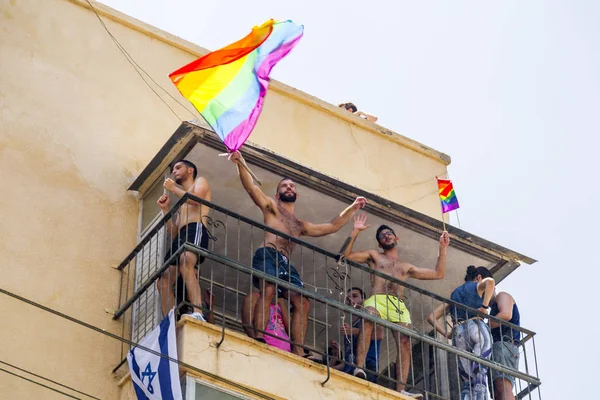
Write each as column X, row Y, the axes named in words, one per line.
column 199, row 390
column 146, row 310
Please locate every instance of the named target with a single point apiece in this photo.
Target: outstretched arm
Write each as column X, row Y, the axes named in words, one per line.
column 505, row 303
column 440, row 266
column 316, row 230
column 434, row 317
column 368, row 117
column 257, row 195
column 358, row 256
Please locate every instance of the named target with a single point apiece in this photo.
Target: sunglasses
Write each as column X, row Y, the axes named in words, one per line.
column 386, row 233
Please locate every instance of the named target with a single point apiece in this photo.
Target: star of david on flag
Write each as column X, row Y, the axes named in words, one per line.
column 154, row 377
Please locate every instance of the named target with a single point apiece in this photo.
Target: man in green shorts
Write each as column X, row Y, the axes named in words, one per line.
column 387, row 300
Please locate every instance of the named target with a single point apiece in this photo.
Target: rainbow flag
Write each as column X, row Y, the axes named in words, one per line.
column 228, row 86
column 447, row 195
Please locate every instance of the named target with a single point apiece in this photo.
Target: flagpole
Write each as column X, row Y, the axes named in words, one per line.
column 252, row 174
column 245, row 166
column 443, row 222
column 441, row 205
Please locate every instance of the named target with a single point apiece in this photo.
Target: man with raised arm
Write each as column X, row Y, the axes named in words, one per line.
column 387, row 301
column 273, row 255
column 185, row 226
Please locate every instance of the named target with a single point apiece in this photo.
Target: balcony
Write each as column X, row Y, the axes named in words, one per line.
column 219, row 356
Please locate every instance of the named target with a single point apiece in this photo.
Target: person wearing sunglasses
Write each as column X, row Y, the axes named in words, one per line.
column 387, row 301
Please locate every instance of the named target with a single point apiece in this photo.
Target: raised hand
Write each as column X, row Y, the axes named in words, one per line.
column 169, row 185
column 164, row 202
column 359, row 203
column 360, row 222
column 236, row 157
column 444, row 240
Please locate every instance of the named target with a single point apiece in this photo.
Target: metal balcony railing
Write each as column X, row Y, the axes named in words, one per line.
column 228, row 275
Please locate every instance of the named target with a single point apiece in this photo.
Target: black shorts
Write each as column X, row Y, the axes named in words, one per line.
column 194, row 233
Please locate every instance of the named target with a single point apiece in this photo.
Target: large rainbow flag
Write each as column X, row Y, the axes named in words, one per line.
column 228, row 86
column 447, row 195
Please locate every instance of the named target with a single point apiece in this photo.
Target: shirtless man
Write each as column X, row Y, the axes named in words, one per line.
column 184, row 226
column 386, row 300
column 273, row 255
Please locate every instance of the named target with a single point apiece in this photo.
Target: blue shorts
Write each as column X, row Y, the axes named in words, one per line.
column 275, row 263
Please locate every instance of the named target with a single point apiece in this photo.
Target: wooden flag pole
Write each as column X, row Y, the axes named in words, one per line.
column 252, row 174
column 246, row 167
column 441, row 206
column 443, row 222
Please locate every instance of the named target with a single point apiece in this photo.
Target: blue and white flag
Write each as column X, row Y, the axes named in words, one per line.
column 154, row 377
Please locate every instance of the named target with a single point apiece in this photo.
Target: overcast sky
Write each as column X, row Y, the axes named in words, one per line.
column 509, row 89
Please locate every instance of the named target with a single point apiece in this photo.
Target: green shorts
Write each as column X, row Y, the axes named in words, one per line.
column 389, row 307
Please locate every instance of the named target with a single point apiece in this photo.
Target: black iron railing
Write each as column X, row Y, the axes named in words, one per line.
column 228, row 276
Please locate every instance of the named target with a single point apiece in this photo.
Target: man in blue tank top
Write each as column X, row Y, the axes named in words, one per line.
column 505, row 349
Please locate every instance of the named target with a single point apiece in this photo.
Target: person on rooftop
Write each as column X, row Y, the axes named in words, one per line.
column 354, row 110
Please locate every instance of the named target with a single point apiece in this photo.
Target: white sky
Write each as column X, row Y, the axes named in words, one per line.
column 509, row 89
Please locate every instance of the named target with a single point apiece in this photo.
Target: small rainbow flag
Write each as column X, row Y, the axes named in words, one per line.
column 228, row 86
column 447, row 195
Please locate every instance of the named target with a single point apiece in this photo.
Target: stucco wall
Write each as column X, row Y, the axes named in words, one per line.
column 77, row 124
column 266, row 369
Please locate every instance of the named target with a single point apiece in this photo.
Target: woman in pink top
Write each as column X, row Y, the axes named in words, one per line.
column 277, row 325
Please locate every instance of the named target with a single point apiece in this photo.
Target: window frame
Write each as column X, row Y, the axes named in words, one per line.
column 192, row 381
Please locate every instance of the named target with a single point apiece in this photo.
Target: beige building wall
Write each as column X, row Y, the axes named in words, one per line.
column 77, row 124
column 286, row 376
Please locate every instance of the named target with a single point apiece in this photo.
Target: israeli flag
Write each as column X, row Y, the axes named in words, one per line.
column 154, row 377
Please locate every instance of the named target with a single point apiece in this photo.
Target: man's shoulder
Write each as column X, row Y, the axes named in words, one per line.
column 200, row 179
column 504, row 295
column 198, row 182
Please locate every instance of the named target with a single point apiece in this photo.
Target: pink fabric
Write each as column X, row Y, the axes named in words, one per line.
column 275, row 327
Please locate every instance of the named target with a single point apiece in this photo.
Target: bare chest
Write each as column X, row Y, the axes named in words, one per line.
column 394, row 268
column 286, row 222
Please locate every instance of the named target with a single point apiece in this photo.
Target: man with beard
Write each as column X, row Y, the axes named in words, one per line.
column 184, row 226
column 387, row 301
column 273, row 255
